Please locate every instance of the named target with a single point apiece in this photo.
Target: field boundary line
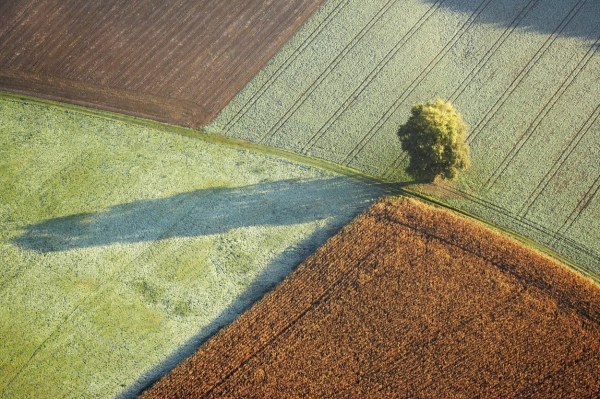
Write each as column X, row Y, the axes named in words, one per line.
column 502, row 266
column 555, row 168
column 146, row 103
column 391, row 187
column 537, row 121
column 478, row 67
column 209, row 137
column 524, row 282
column 548, row 233
column 413, row 85
column 327, row 71
column 284, row 66
column 526, row 223
column 371, row 76
column 489, row 115
column 578, row 247
column 321, row 298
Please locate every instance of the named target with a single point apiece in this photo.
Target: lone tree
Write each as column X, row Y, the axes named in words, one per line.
column 434, row 138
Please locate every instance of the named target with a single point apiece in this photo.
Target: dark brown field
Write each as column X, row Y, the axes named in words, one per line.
column 408, row 301
column 176, row 61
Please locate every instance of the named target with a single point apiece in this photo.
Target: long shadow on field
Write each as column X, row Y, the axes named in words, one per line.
column 200, row 213
column 546, row 16
column 285, row 205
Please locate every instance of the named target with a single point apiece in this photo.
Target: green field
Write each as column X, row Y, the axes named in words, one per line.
column 523, row 73
column 123, row 246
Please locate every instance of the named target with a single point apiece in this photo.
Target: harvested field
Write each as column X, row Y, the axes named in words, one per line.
column 408, row 301
column 523, row 73
column 123, row 246
column 178, row 61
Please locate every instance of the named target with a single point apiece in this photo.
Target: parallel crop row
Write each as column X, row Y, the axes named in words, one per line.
column 406, row 299
column 527, row 85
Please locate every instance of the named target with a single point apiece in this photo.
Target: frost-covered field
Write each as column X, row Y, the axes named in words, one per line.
column 525, row 74
column 122, row 247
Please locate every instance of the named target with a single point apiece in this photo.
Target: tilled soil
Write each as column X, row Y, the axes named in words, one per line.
column 175, row 61
column 408, row 301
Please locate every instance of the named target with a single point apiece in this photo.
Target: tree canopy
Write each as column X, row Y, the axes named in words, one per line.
column 434, row 138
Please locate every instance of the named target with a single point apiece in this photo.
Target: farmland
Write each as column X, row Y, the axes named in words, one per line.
column 179, row 61
column 122, row 246
column 523, row 73
column 125, row 243
column 408, row 300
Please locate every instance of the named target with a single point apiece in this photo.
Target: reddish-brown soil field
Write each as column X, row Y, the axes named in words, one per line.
column 408, row 301
column 176, row 61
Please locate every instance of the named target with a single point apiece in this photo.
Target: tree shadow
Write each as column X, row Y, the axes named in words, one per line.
column 214, row 211
column 543, row 17
column 278, row 203
column 200, row 213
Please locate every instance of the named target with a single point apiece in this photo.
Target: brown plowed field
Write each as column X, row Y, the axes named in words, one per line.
column 176, row 61
column 408, row 301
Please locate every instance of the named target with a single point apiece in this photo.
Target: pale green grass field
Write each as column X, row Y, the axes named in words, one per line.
column 122, row 246
column 525, row 75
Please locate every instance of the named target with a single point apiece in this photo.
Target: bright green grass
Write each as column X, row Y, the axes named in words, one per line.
column 344, row 84
column 124, row 246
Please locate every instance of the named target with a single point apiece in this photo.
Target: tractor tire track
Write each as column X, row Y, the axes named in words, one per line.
column 582, row 205
column 524, row 222
column 394, row 362
column 535, row 124
column 528, row 391
column 489, row 115
column 330, row 68
column 371, row 76
column 476, row 70
column 492, row 51
column 9, row 31
column 284, row 67
column 134, row 61
column 413, row 85
column 557, row 166
column 321, row 299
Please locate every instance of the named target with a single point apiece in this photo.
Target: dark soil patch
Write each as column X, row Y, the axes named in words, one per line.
column 177, row 61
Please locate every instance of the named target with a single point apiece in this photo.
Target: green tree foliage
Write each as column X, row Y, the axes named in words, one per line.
column 434, row 138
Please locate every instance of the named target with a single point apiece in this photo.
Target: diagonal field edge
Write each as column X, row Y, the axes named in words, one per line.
column 392, row 188
column 510, row 257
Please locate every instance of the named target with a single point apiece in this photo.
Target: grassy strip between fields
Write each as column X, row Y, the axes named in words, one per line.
column 390, row 187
